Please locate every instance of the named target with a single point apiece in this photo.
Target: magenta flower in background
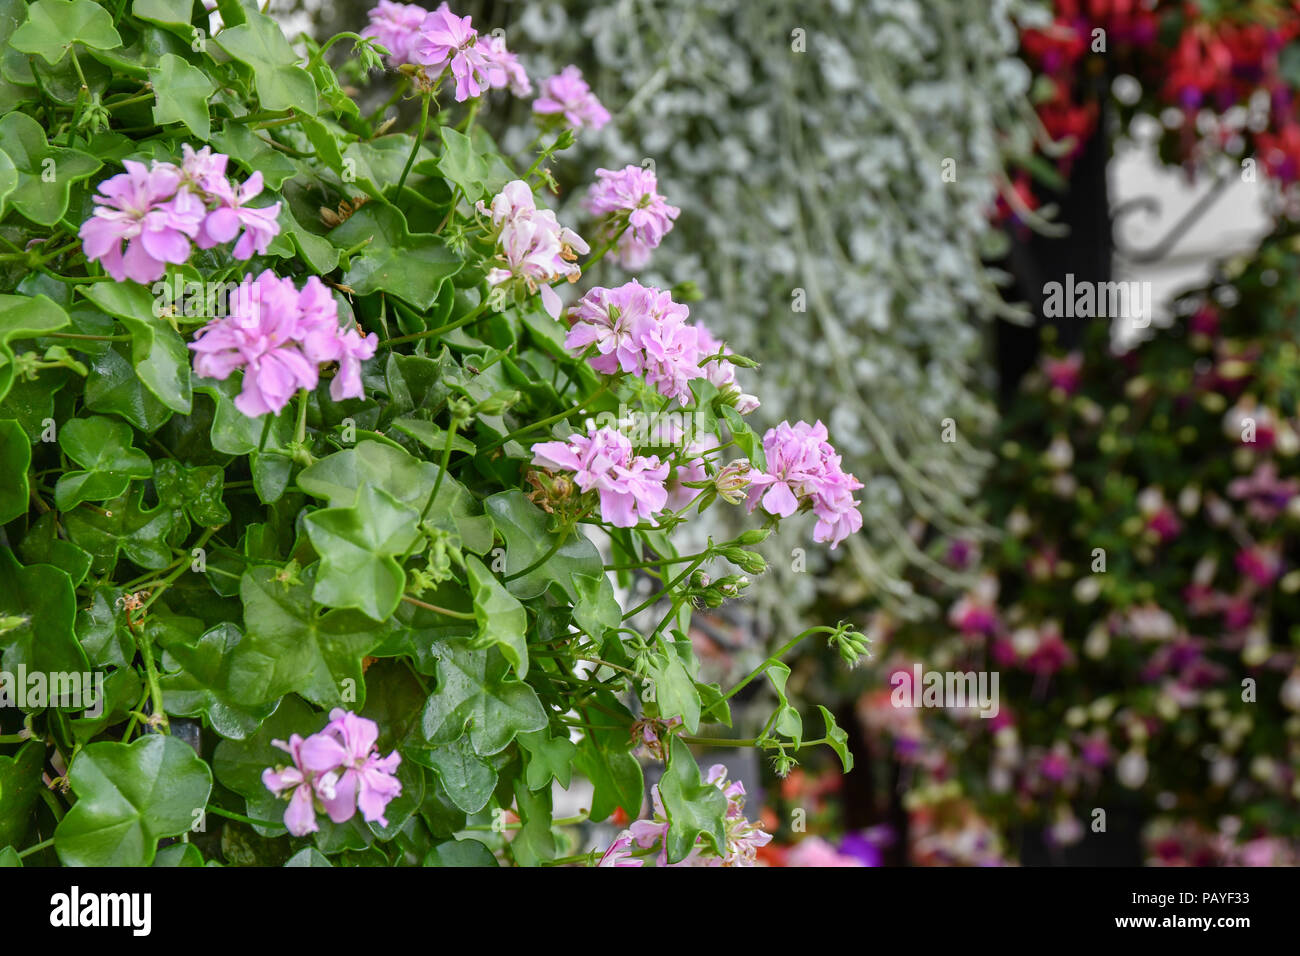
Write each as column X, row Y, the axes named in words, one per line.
column 230, row 216
column 631, row 487
column 143, row 208
column 631, row 194
column 566, row 94
column 802, row 466
column 279, row 337
column 446, row 40
column 1064, row 373
column 301, row 784
column 396, row 27
column 1261, row 563
column 813, row 851
column 364, row 780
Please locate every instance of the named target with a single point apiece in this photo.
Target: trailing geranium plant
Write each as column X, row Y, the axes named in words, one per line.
column 322, row 520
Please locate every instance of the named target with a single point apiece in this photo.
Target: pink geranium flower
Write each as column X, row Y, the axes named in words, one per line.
column 279, row 337
column 302, row 785
column 631, row 195
column 533, row 248
column 630, row 487
column 803, row 467
column 142, row 208
column 448, row 41
column 365, row 781
column 567, row 95
column 231, row 215
column 396, row 27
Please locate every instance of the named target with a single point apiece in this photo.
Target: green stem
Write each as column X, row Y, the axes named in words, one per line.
column 44, row 844
column 240, row 818
column 461, row 615
column 558, row 417
column 652, row 599
column 757, row 671
column 463, row 320
column 419, row 140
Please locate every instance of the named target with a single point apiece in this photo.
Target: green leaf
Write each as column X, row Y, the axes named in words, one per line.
column 102, row 631
column 43, row 545
column 597, row 609
column 675, row 691
column 195, row 488
column 53, row 26
column 359, row 546
column 837, row 739
column 260, row 44
column 101, row 446
column 467, row 778
column 20, row 787
column 535, row 841
column 45, row 173
column 8, row 176
column 22, row 317
column 605, row 758
column 41, row 597
column 165, row 12
column 201, row 686
column 179, row 854
column 460, row 165
column 411, row 266
column 337, row 478
column 243, row 146
column 114, row 387
column 158, row 353
column 523, row 525
column 476, row 692
column 787, row 721
column 182, row 92
column 308, row 856
column 123, row 526
column 695, row 809
column 432, row 436
column 15, row 459
column 501, row 619
column 8, row 855
column 129, row 796
column 548, row 758
column 289, row 647
column 460, row 853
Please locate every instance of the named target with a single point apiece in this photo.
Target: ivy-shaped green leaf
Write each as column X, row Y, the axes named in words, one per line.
column 524, row 526
column 123, row 525
column 201, row 685
column 40, row 606
column 102, row 447
column 53, row 26
column 694, row 808
column 261, row 45
column 195, row 488
column 45, row 172
column 21, row 317
column 182, row 91
column 15, row 459
column 501, row 619
column 129, row 796
column 787, row 721
column 411, row 266
column 837, row 739
column 20, row 786
column 359, row 546
column 288, row 647
column 549, row 758
column 157, row 351
column 476, row 692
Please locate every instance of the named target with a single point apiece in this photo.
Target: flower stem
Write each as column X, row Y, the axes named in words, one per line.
column 419, row 139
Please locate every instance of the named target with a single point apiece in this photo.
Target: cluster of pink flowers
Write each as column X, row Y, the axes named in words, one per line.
column 336, row 771
column 567, row 95
column 802, row 466
column 743, row 837
column 534, row 247
column 161, row 211
column 631, row 194
column 640, row 330
column 280, row 336
column 441, row 40
column 631, row 486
